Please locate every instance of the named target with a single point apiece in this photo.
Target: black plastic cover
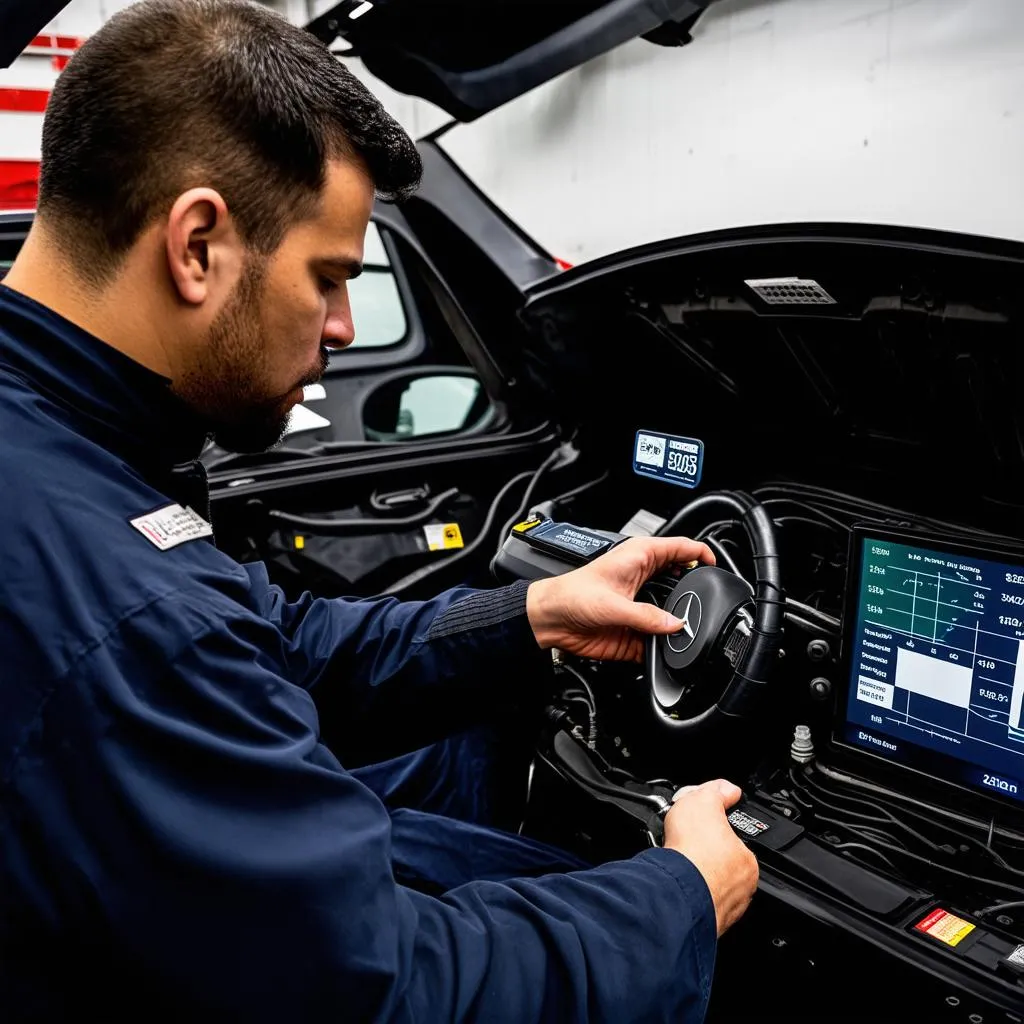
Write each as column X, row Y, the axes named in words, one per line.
column 21, row 21
column 470, row 56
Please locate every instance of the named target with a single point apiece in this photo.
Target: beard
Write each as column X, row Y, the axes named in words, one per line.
column 227, row 384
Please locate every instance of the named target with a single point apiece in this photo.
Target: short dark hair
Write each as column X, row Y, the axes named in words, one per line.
column 173, row 94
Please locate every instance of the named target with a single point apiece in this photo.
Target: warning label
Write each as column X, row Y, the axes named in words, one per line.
column 443, row 536
column 946, row 927
column 747, row 823
column 1017, row 956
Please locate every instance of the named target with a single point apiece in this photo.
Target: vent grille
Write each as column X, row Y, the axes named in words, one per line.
column 790, row 291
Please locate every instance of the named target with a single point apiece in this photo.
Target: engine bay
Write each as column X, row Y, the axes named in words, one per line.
column 880, row 766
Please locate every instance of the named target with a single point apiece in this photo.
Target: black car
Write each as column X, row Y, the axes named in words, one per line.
column 836, row 409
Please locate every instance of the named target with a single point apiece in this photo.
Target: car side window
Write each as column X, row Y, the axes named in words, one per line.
column 377, row 311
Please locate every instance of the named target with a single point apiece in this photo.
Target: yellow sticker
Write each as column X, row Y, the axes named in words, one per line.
column 300, row 542
column 529, row 524
column 452, row 536
column 443, row 536
column 946, row 927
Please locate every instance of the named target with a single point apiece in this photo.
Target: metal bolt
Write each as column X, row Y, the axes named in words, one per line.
column 976, row 1018
column 820, row 687
column 778, row 942
column 818, row 650
column 1004, row 920
column 952, row 1001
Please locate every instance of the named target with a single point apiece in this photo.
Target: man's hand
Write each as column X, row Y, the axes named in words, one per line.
column 697, row 828
column 591, row 611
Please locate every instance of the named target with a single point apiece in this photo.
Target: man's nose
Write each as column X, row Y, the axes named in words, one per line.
column 339, row 332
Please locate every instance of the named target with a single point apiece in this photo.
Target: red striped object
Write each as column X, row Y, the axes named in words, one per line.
column 23, row 101
column 19, row 184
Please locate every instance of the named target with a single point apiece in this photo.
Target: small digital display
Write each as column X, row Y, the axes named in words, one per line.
column 676, row 460
column 935, row 650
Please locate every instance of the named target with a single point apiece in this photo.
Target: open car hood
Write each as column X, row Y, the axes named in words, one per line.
column 21, row 21
column 837, row 349
column 466, row 56
column 470, row 56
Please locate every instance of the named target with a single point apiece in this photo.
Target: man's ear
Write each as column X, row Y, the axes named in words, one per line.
column 205, row 255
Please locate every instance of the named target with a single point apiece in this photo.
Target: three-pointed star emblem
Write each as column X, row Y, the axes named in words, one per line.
column 687, row 609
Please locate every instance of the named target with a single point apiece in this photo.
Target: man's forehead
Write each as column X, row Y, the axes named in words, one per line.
column 347, row 197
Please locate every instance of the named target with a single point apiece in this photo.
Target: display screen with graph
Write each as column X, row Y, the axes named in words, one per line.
column 934, row 645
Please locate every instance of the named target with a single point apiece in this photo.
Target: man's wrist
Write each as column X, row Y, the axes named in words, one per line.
column 538, row 612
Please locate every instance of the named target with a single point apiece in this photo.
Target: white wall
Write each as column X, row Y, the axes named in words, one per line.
column 889, row 111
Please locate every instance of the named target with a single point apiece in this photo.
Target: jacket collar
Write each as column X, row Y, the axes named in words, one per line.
column 113, row 399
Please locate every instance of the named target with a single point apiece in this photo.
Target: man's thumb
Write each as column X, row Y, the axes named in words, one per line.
column 648, row 618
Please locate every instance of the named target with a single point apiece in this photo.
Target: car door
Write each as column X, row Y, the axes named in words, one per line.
column 400, row 472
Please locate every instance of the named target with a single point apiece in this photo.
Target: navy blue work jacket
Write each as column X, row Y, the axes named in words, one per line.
column 176, row 841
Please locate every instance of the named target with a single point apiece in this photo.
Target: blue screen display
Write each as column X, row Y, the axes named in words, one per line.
column 937, row 664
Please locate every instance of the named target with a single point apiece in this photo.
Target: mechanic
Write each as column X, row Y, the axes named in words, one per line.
column 177, row 841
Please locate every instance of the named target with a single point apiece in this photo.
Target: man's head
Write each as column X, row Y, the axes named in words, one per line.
column 210, row 152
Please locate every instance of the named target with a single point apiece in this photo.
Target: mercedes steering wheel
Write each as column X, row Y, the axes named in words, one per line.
column 718, row 665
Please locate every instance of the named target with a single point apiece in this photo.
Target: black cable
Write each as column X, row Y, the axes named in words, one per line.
column 428, row 570
column 882, row 836
column 715, row 498
column 979, row 847
column 998, row 907
column 924, row 860
column 932, row 809
column 999, row 860
column 336, row 527
column 810, row 612
column 796, row 503
column 714, row 527
column 592, row 718
column 860, row 507
column 524, row 505
column 806, row 521
column 579, row 490
column 812, row 627
column 867, row 849
column 723, row 555
column 888, row 817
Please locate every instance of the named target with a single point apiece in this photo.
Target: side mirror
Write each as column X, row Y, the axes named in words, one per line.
column 414, row 406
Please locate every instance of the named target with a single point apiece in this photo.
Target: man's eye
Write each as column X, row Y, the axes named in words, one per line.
column 327, row 285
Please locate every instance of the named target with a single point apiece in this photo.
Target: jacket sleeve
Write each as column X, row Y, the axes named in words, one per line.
column 412, row 671
column 205, row 834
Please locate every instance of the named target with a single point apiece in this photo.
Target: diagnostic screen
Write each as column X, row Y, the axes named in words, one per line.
column 937, row 664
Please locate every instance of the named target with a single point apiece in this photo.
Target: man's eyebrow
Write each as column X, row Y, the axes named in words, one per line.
column 349, row 267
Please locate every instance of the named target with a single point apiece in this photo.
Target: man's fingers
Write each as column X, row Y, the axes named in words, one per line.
column 717, row 789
